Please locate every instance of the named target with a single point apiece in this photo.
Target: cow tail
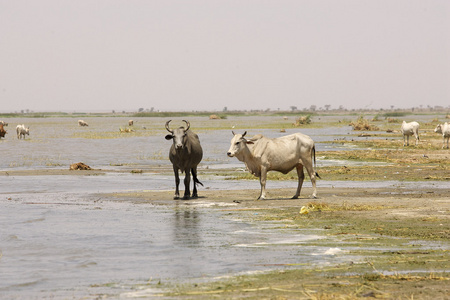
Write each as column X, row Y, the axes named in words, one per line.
column 194, row 175
column 314, row 153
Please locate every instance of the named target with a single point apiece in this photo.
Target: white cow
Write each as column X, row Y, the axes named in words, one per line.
column 444, row 129
column 283, row 154
column 408, row 129
column 22, row 131
column 82, row 123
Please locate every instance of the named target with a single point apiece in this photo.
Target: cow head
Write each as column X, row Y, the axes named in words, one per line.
column 438, row 129
column 177, row 135
column 238, row 143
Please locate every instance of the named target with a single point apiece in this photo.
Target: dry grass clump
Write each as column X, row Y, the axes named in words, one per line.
column 393, row 120
column 302, row 120
column 363, row 124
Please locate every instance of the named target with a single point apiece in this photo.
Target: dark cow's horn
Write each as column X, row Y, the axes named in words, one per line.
column 244, row 134
column 187, row 124
column 233, row 132
column 167, row 127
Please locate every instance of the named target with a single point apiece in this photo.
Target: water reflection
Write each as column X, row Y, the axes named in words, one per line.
column 186, row 229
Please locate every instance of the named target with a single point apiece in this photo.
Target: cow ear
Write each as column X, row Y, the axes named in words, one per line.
column 249, row 142
column 169, row 137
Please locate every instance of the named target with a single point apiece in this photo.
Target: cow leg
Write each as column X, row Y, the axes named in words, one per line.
column 262, row 181
column 301, row 177
column 312, row 175
column 187, row 182
column 194, row 177
column 177, row 183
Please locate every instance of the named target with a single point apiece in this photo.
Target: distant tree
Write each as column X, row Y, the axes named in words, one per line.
column 141, row 109
column 313, row 107
column 327, row 107
column 293, row 108
column 225, row 109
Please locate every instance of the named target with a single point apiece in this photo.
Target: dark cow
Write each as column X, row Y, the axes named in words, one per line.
column 185, row 154
column 2, row 131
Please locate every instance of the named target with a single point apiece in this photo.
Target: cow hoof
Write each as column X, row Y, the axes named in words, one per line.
column 176, row 197
column 295, row 197
column 186, row 198
column 314, row 196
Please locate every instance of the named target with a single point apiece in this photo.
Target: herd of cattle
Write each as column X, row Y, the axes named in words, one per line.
column 260, row 154
column 412, row 128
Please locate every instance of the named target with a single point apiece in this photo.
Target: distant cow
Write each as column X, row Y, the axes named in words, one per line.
column 82, row 123
column 283, row 154
column 409, row 129
column 3, row 123
column 21, row 131
column 2, row 131
column 185, row 154
column 444, row 129
column 130, row 123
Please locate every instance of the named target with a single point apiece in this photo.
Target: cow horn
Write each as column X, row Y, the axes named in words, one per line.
column 233, row 132
column 167, row 127
column 187, row 124
column 244, row 134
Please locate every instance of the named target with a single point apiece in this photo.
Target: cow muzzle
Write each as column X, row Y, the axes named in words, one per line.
column 230, row 154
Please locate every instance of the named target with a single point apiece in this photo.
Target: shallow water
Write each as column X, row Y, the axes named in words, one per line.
column 59, row 142
column 72, row 245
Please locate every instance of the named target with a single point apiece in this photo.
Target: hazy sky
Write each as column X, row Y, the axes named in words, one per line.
column 204, row 55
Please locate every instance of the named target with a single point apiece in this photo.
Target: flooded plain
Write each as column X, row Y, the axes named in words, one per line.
column 62, row 236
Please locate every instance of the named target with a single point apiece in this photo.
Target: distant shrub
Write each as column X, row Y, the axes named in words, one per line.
column 363, row 124
column 302, row 120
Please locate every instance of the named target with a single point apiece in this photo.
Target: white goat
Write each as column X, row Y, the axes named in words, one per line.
column 409, row 129
column 444, row 129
